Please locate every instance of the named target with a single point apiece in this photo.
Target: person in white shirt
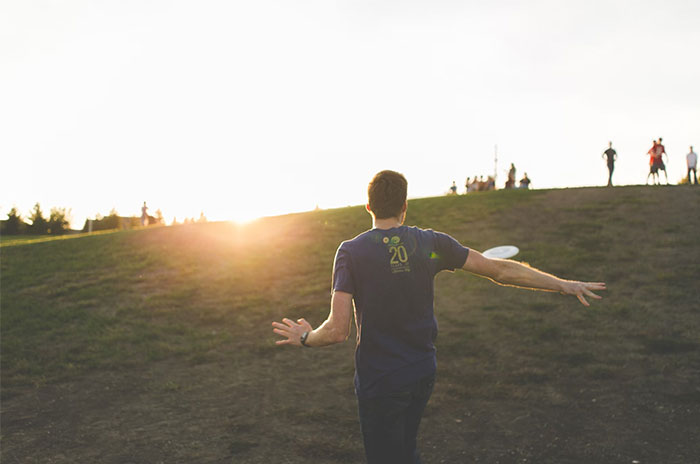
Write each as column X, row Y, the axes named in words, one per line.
column 692, row 159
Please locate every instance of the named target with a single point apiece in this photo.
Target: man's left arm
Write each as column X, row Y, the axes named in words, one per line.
column 335, row 329
column 513, row 273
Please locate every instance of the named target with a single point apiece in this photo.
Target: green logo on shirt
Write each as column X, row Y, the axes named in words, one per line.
column 398, row 256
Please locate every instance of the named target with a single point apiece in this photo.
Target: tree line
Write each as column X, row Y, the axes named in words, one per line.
column 56, row 224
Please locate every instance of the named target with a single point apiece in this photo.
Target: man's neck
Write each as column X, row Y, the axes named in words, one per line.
column 387, row 223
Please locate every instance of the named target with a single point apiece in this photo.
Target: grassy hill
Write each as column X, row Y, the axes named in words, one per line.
column 155, row 345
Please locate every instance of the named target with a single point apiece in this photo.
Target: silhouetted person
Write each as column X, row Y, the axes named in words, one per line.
column 510, row 183
column 385, row 276
column 611, row 156
column 525, row 182
column 453, row 189
column 653, row 167
column 660, row 151
column 692, row 159
column 490, row 183
column 473, row 186
column 144, row 214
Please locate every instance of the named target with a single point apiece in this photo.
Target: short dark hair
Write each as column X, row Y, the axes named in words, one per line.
column 387, row 194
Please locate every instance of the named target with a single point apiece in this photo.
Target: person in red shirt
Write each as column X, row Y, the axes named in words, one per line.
column 659, row 151
column 653, row 168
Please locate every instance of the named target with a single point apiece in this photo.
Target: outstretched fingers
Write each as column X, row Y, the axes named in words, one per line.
column 582, row 299
column 290, row 330
column 280, row 328
column 283, row 330
column 595, row 285
column 585, row 290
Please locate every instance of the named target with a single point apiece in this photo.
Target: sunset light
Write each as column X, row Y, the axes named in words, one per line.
column 349, row 231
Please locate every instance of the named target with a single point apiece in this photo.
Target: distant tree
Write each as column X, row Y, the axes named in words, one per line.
column 202, row 217
column 14, row 224
column 113, row 221
column 174, row 223
column 58, row 221
column 39, row 224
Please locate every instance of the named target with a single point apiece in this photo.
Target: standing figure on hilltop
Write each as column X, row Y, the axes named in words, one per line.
column 510, row 183
column 144, row 215
column 611, row 156
column 490, row 183
column 653, row 167
column 692, row 159
column 525, row 182
column 453, row 189
column 386, row 276
column 659, row 152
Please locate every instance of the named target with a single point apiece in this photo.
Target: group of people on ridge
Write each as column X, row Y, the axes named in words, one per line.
column 479, row 184
column 656, row 162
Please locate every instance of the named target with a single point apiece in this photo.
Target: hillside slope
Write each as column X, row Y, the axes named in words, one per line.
column 155, row 345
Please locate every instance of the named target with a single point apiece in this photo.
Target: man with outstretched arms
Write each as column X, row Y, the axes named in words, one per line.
column 388, row 271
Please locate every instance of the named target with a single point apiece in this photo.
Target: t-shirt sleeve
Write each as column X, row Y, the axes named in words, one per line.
column 450, row 252
column 342, row 271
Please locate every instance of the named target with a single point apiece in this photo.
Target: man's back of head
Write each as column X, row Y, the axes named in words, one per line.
column 387, row 194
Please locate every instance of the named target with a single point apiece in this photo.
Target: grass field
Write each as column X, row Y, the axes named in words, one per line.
column 155, row 345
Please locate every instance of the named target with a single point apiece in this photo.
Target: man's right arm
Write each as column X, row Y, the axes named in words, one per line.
column 513, row 273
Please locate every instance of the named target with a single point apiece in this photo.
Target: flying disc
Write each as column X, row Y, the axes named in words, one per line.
column 503, row 252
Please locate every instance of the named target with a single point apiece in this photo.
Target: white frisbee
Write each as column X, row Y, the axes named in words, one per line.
column 502, row 252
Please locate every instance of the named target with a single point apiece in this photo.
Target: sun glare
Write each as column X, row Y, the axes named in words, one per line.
column 243, row 219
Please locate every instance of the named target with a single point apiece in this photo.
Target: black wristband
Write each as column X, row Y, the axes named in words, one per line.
column 303, row 338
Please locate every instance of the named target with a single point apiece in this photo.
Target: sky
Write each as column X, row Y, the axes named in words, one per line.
column 241, row 109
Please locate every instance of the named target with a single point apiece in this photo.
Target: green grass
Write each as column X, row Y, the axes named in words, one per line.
column 195, row 302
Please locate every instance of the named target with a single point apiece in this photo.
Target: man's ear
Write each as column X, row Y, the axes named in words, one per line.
column 405, row 206
column 368, row 208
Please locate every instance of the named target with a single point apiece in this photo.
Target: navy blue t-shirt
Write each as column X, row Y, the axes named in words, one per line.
column 390, row 274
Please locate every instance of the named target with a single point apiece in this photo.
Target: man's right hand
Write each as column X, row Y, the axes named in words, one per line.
column 292, row 331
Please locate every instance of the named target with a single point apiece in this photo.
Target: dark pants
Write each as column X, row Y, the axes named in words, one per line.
column 390, row 423
column 695, row 176
column 611, row 168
